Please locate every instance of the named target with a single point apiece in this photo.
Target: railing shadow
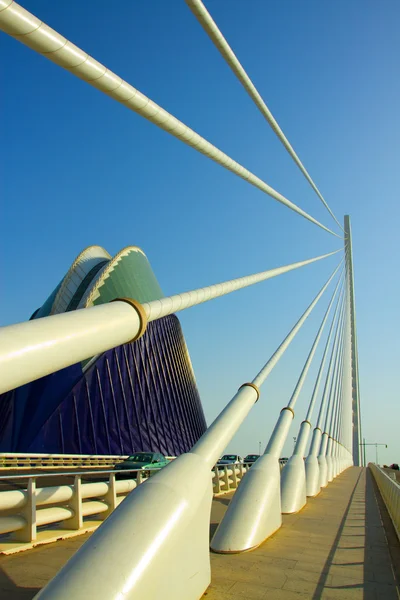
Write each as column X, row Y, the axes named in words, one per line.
column 377, row 579
column 11, row 591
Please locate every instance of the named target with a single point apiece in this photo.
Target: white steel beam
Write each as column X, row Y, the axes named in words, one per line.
column 293, row 477
column 311, row 463
column 28, row 29
column 38, row 347
column 357, row 436
column 207, row 22
column 254, row 512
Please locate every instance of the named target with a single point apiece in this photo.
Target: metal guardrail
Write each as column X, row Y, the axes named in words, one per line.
column 21, row 461
column 25, row 511
column 9, row 460
column 390, row 491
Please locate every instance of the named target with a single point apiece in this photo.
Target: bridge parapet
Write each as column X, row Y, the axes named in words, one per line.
column 390, row 492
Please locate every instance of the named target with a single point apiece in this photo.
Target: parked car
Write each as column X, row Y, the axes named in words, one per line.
column 251, row 458
column 230, row 459
column 143, row 461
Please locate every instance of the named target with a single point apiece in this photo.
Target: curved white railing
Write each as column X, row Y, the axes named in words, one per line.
column 390, row 491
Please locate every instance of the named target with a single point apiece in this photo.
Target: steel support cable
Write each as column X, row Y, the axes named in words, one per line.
column 214, row 441
column 207, row 22
column 324, row 397
column 323, row 360
column 331, row 402
column 166, row 306
column 337, row 434
column 26, row 28
column 266, row 370
column 39, row 347
column 311, row 354
column 335, row 391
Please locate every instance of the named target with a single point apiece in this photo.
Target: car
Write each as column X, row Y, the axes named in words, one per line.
column 394, row 466
column 251, row 458
column 230, row 459
column 143, row 461
column 283, row 461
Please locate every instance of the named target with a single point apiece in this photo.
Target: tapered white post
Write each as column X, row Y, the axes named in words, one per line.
column 311, row 463
column 254, row 512
column 293, row 477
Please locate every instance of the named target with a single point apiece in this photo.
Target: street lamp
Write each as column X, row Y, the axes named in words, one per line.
column 376, row 449
column 259, row 448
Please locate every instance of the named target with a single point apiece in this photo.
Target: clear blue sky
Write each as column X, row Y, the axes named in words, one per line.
column 78, row 169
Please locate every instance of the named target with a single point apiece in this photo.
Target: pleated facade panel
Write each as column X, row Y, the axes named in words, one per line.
column 138, row 396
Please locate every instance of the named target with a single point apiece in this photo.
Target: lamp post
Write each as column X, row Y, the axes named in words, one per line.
column 259, row 448
column 376, row 444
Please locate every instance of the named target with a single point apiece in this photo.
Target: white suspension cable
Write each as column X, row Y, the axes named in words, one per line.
column 265, row 371
column 324, row 398
column 207, row 22
column 323, row 361
column 332, row 382
column 39, row 347
column 311, row 354
column 26, row 28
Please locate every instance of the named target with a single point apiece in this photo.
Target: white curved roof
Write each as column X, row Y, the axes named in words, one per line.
column 82, row 265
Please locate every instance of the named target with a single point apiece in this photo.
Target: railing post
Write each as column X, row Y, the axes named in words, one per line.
column 75, row 522
column 111, row 496
column 28, row 533
column 216, row 481
column 226, row 479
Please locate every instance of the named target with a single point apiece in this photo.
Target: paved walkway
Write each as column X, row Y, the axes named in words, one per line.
column 336, row 548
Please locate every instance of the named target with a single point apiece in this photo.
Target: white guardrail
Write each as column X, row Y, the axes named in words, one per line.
column 25, row 512
column 390, row 491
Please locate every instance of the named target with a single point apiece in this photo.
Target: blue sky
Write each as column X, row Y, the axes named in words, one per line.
column 79, row 169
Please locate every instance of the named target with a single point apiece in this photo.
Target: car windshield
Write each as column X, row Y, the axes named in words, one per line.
column 229, row 457
column 145, row 458
column 252, row 456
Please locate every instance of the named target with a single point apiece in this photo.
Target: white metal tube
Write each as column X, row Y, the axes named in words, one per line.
column 207, row 22
column 293, row 480
column 12, row 499
column 311, row 354
column 255, row 511
column 311, row 463
column 356, row 415
column 323, row 361
column 53, row 494
column 28, row 29
column 93, row 507
column 265, row 371
column 213, row 442
column 12, row 523
column 45, row 516
column 94, row 490
column 39, row 347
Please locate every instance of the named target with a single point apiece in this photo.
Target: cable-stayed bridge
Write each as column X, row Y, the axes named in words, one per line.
column 154, row 542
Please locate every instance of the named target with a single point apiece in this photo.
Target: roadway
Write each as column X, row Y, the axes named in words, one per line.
column 341, row 546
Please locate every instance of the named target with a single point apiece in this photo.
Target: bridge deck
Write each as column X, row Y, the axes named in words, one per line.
column 335, row 548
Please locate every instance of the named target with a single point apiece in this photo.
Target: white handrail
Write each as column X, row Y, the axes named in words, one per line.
column 28, row 29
